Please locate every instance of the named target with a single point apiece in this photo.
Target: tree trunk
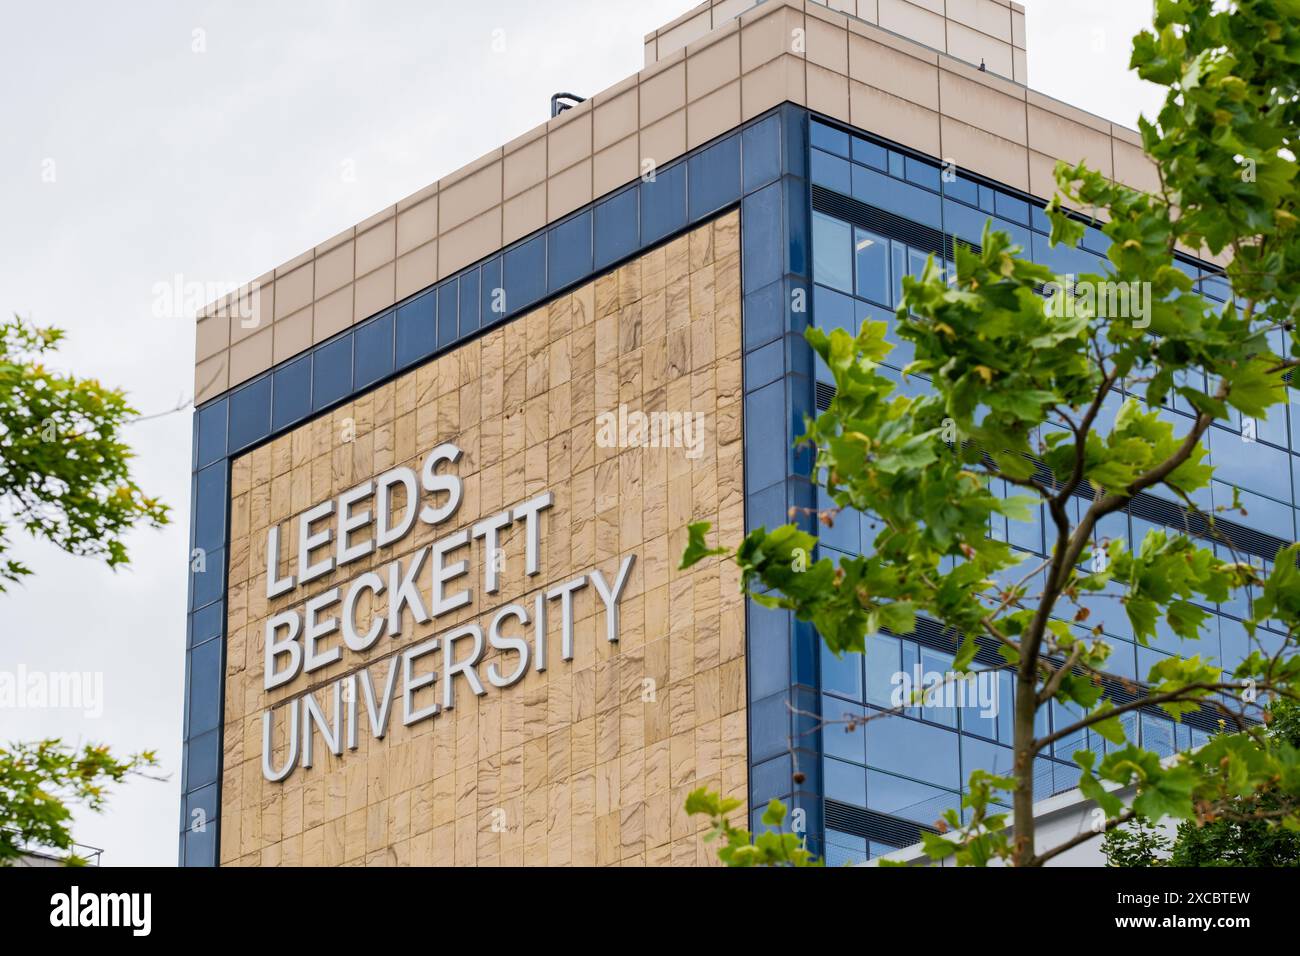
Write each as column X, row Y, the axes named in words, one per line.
column 1023, row 798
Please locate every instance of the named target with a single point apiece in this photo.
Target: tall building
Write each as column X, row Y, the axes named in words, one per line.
column 444, row 463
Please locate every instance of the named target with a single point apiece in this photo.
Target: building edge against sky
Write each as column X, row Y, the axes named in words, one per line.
column 720, row 120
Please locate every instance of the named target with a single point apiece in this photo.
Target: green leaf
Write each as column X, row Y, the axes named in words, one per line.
column 696, row 548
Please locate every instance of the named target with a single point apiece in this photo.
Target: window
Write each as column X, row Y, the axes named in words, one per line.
column 908, row 799
column 899, row 745
column 871, row 258
column 832, row 256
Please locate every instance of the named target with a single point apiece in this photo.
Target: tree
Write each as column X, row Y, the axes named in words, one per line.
column 38, row 781
column 1022, row 364
column 1238, row 833
column 64, row 478
column 64, row 470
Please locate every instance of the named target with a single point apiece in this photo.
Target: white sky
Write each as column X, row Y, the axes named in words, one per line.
column 217, row 166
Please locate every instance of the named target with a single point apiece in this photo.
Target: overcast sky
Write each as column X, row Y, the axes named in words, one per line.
column 216, row 155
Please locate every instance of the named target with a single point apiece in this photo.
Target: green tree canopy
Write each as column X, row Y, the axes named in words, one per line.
column 64, row 468
column 1233, row 831
column 64, row 478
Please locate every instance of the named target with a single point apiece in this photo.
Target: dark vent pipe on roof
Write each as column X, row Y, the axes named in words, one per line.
column 564, row 101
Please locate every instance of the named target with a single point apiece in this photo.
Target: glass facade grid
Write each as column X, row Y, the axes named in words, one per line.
column 913, row 766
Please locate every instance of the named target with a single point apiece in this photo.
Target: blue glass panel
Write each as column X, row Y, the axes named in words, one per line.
column 374, row 345
column 1216, row 287
column 871, row 255
column 831, row 172
column 1256, row 511
column 1158, row 734
column 332, row 373
column 902, row 199
column 832, row 252
column 201, row 765
column 922, row 173
column 207, row 623
column 291, row 401
column 209, row 584
column 762, row 251
column 918, row 750
column 663, row 204
column 962, row 223
column 798, row 226
column 769, row 722
column 491, row 293
column 800, row 400
column 870, row 154
column 896, row 164
column 617, row 228
column 883, row 660
column 1096, row 241
column 764, row 443
column 908, row 799
column 828, row 138
column 417, row 329
column 771, row 779
column 844, row 534
column 448, row 312
column 762, row 152
column 1008, row 207
column 1251, row 465
column 568, row 257
column 843, row 674
column 1062, row 259
column 203, row 800
column 798, row 354
column 713, row 180
column 987, row 200
column 1039, row 221
column 210, row 431
column 525, row 274
column 768, row 649
column 250, row 413
column 764, row 315
column 845, row 849
column 210, row 498
column 959, row 187
column 205, row 687
column 201, row 846
column 764, row 365
column 845, row 782
column 833, row 310
column 838, row 716
column 469, row 302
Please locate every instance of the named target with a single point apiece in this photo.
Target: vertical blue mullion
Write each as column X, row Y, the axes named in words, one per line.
column 448, row 312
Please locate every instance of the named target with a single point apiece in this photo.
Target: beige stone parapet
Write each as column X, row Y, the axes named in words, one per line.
column 833, row 62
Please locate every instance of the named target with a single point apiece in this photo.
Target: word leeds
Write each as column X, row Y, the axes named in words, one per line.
column 427, row 584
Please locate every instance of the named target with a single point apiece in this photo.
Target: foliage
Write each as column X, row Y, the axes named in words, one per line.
column 64, row 470
column 1239, row 831
column 740, row 847
column 1140, row 843
column 38, row 781
column 64, row 478
column 1065, row 397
